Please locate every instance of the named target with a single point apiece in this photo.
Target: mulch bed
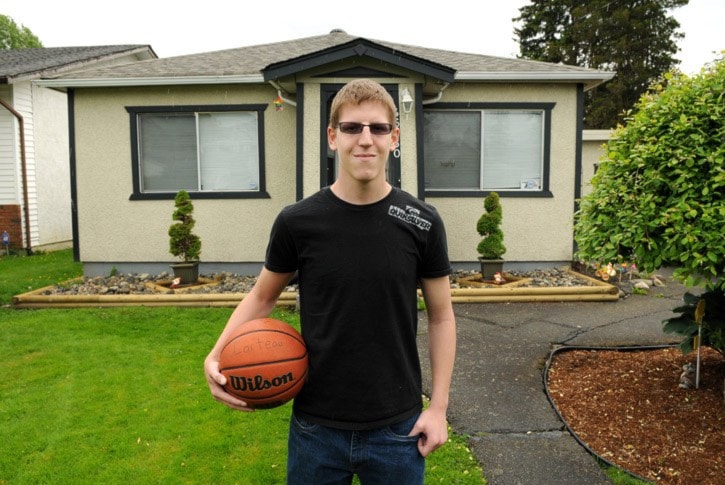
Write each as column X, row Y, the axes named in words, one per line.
column 627, row 407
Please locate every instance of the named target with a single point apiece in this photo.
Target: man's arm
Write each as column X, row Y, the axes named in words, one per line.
column 257, row 304
column 432, row 424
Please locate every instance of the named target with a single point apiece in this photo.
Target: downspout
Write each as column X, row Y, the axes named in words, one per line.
column 24, row 167
column 578, row 160
column 279, row 93
column 438, row 96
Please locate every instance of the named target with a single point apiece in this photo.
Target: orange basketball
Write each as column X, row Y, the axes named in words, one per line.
column 265, row 363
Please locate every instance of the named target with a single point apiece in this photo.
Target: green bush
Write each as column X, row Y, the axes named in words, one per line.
column 713, row 321
column 488, row 226
column 657, row 197
column 182, row 241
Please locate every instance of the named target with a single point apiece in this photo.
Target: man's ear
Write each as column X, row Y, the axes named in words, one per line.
column 395, row 139
column 332, row 138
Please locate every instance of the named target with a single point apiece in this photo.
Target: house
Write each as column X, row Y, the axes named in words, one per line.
column 35, row 190
column 243, row 130
column 593, row 147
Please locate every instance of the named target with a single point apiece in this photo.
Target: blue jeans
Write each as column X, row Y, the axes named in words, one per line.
column 320, row 455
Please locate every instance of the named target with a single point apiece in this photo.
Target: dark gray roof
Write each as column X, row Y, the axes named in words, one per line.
column 48, row 61
column 252, row 60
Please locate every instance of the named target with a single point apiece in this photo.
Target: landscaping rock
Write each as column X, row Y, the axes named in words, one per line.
column 226, row 282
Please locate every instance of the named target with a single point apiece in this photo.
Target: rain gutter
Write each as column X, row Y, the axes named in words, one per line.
column 590, row 79
column 437, row 97
column 149, row 81
column 279, row 93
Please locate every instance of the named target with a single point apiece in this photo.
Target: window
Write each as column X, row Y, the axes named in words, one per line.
column 213, row 151
column 486, row 149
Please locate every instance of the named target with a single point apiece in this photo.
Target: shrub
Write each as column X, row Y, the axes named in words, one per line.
column 657, row 197
column 182, row 241
column 713, row 321
column 488, row 226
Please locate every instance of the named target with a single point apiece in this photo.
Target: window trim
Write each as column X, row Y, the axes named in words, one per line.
column 545, row 107
column 134, row 111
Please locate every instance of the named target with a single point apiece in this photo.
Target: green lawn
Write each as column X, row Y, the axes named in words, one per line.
column 117, row 395
column 19, row 274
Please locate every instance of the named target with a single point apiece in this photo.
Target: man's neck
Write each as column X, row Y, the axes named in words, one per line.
column 361, row 193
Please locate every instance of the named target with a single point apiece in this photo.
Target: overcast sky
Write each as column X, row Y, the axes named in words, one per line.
column 186, row 27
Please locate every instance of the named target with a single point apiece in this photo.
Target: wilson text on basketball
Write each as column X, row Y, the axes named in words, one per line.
column 259, row 383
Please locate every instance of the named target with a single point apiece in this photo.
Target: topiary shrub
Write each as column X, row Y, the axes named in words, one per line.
column 489, row 226
column 182, row 241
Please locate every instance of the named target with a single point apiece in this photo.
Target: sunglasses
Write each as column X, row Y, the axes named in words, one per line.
column 353, row 128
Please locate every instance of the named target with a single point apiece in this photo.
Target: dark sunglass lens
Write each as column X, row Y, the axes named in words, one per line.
column 380, row 128
column 351, row 128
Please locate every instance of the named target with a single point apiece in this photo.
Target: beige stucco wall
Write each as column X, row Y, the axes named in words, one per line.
column 408, row 149
column 535, row 228
column 593, row 145
column 311, row 140
column 114, row 228
column 51, row 164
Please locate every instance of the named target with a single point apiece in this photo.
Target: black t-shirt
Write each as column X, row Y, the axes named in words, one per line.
column 358, row 268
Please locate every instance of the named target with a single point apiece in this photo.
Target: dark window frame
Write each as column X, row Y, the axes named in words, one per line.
column 546, row 107
column 137, row 194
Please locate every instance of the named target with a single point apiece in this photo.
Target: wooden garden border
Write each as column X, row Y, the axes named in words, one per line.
column 598, row 291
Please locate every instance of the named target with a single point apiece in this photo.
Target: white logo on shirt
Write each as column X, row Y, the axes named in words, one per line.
column 410, row 215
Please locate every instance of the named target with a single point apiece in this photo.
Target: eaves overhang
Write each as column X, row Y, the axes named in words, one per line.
column 590, row 79
column 358, row 48
column 149, row 81
column 141, row 53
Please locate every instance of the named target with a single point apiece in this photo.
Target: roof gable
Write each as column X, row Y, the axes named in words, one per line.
column 358, row 47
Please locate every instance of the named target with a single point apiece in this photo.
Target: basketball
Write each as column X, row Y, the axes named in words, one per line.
column 264, row 362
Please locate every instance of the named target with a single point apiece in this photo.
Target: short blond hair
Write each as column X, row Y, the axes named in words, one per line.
column 358, row 91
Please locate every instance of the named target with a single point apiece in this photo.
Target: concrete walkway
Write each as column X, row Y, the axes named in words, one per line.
column 497, row 394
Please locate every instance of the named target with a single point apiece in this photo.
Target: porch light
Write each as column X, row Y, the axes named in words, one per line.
column 406, row 100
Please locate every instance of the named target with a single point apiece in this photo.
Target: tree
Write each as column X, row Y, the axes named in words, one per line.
column 657, row 197
column 637, row 39
column 182, row 241
column 489, row 228
column 14, row 37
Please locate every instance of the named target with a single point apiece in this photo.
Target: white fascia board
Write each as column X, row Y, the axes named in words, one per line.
column 597, row 135
column 591, row 79
column 146, row 81
column 534, row 76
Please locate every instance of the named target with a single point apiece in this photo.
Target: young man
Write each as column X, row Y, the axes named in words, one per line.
column 360, row 248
